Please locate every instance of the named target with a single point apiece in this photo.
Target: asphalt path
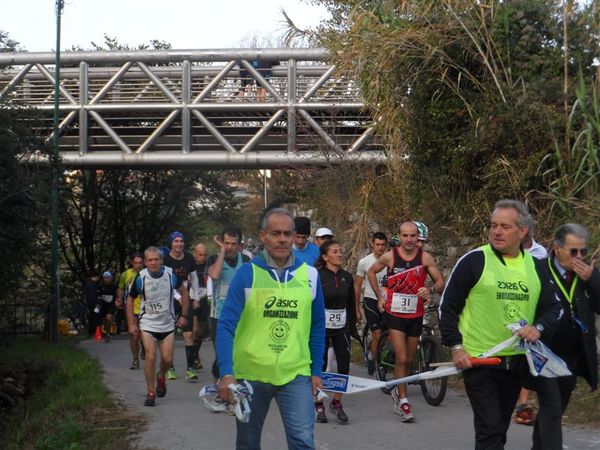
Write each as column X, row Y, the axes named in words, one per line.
column 180, row 421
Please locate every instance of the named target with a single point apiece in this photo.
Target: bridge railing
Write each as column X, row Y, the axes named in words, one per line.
column 208, row 108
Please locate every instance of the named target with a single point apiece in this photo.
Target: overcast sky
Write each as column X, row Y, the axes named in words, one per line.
column 185, row 24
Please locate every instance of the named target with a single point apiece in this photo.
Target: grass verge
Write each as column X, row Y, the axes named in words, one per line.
column 583, row 408
column 64, row 404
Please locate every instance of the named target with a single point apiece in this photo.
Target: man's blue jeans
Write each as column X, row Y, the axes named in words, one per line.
column 295, row 403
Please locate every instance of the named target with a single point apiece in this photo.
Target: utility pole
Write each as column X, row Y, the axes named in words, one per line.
column 55, row 164
column 266, row 174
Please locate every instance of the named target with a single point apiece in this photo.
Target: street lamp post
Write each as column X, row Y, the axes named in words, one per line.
column 55, row 297
column 266, row 174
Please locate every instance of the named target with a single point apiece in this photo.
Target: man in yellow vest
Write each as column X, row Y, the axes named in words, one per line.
column 490, row 287
column 271, row 333
column 125, row 281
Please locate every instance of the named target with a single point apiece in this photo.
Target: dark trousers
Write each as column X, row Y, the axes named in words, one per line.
column 341, row 348
column 213, row 335
column 553, row 397
column 93, row 321
column 493, row 393
column 120, row 320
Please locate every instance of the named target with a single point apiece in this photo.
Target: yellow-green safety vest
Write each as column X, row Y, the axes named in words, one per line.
column 504, row 294
column 271, row 342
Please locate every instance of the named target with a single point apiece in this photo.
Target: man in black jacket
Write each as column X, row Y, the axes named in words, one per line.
column 490, row 287
column 577, row 284
column 91, row 292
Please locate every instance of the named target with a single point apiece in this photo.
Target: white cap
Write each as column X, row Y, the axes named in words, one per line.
column 324, row 232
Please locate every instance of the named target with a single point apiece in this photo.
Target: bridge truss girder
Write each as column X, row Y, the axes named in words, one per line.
column 194, row 109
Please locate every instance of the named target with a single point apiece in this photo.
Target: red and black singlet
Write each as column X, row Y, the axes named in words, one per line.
column 404, row 278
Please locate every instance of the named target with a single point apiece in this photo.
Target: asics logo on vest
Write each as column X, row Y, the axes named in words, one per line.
column 280, row 303
column 513, row 286
column 522, row 293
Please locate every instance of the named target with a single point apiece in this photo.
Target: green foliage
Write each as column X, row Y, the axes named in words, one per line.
column 472, row 97
column 23, row 210
column 7, row 44
column 113, row 43
column 108, row 215
column 574, row 167
column 66, row 404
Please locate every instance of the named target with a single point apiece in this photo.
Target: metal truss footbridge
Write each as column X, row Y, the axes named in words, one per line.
column 232, row 108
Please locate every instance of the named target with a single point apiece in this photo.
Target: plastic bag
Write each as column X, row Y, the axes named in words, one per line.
column 543, row 362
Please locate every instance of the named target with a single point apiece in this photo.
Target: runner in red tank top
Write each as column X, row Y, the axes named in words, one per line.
column 403, row 303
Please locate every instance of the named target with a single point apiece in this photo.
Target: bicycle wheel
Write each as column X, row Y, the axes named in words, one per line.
column 385, row 362
column 366, row 343
column 433, row 390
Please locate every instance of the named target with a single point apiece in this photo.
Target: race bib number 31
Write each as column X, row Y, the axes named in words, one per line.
column 404, row 303
column 335, row 318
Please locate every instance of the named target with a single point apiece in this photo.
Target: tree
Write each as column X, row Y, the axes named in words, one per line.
column 478, row 101
column 7, row 44
column 22, row 198
column 109, row 214
column 24, row 206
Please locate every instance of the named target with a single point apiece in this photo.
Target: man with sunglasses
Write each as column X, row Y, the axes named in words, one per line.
column 577, row 284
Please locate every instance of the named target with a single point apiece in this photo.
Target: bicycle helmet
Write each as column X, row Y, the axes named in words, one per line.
column 394, row 240
column 422, row 230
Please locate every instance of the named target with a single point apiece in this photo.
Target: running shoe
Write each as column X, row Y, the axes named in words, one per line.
column 135, row 364
column 524, row 415
column 161, row 386
column 190, row 374
column 198, row 364
column 171, row 374
column 320, row 416
column 215, row 405
column 336, row 407
column 396, row 399
column 407, row 415
column 150, row 399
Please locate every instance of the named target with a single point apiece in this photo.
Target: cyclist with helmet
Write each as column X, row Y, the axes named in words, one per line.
column 403, row 305
column 423, row 233
column 369, row 300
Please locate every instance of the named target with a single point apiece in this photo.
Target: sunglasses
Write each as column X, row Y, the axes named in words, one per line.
column 576, row 251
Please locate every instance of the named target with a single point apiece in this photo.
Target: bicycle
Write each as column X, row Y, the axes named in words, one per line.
column 366, row 338
column 429, row 350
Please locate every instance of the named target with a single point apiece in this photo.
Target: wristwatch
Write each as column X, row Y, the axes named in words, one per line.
column 539, row 327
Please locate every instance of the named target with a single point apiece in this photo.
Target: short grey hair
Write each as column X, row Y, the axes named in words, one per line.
column 529, row 223
column 276, row 211
column 153, row 251
column 561, row 233
column 524, row 219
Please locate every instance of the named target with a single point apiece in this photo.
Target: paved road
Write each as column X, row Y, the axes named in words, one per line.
column 180, row 421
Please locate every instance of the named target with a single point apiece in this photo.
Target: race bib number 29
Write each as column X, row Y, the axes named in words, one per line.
column 335, row 318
